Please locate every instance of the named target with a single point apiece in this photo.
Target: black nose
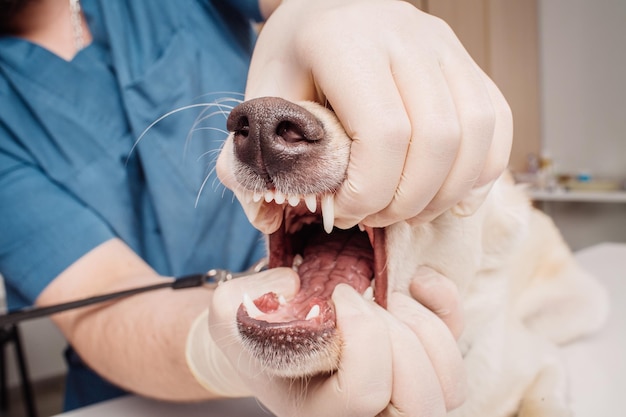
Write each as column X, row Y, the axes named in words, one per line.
column 272, row 136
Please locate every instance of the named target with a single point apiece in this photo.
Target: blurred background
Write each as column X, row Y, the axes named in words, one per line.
column 559, row 63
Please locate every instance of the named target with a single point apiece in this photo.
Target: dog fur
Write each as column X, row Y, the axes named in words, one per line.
column 522, row 292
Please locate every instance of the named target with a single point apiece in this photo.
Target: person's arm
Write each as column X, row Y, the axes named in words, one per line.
column 137, row 343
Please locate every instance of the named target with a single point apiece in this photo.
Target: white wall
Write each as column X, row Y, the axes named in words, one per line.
column 583, row 92
column 583, row 70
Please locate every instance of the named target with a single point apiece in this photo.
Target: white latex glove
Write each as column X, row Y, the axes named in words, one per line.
column 403, row 361
column 210, row 366
column 430, row 128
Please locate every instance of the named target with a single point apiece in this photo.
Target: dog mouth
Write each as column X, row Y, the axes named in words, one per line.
column 324, row 258
column 289, row 160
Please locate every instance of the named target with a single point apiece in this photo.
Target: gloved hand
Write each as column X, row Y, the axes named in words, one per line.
column 205, row 358
column 400, row 361
column 431, row 131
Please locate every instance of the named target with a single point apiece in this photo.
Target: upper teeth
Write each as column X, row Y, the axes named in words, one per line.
column 311, row 202
column 328, row 212
column 327, row 203
column 293, row 200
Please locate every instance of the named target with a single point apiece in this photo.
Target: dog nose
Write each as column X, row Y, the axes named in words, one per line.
column 271, row 135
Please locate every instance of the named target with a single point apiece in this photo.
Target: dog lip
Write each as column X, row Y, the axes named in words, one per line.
column 378, row 240
column 324, row 320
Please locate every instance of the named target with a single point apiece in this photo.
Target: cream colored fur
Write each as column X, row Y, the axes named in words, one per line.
column 522, row 294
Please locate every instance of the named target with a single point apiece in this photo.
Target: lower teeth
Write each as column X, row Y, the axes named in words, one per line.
column 313, row 313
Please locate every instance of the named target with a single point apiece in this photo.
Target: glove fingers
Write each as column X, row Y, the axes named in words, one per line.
column 435, row 137
column 439, row 295
column 438, row 344
column 362, row 386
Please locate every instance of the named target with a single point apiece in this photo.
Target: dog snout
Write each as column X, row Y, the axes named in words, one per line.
column 273, row 136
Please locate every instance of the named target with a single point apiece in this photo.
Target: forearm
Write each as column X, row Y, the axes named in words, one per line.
column 137, row 343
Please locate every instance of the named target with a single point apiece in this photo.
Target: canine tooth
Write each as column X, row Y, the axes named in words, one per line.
column 311, row 202
column 281, row 300
column 279, row 197
column 256, row 196
column 297, row 261
column 269, row 196
column 328, row 212
column 251, row 308
column 313, row 313
column 293, row 200
column 361, row 227
column 368, row 294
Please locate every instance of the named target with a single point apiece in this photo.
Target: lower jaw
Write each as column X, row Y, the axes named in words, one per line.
column 300, row 338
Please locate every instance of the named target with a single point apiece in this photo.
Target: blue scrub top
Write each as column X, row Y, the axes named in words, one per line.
column 72, row 173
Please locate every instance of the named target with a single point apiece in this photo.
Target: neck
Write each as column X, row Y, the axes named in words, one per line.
column 48, row 23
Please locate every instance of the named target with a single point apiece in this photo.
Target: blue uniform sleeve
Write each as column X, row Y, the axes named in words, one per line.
column 43, row 229
column 248, row 8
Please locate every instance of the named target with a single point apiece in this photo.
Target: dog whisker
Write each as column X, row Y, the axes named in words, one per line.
column 224, row 95
column 204, row 182
column 222, row 110
column 211, row 152
column 216, row 129
column 161, row 118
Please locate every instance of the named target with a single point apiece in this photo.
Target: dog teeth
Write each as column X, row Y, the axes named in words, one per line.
column 368, row 294
column 313, row 313
column 279, row 197
column 327, row 203
column 281, row 300
column 311, row 202
column 328, row 212
column 297, row 261
column 293, row 200
column 251, row 308
column 269, row 196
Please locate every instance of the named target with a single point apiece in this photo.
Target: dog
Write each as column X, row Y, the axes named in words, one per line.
column 522, row 292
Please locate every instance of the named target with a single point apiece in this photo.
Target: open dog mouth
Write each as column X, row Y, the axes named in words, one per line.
column 291, row 158
column 306, row 324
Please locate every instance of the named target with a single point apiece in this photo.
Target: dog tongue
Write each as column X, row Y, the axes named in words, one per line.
column 345, row 256
column 328, row 260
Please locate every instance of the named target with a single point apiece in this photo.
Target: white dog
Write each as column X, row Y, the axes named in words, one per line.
column 522, row 291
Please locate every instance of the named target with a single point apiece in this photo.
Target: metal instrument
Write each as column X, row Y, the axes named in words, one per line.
column 210, row 279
